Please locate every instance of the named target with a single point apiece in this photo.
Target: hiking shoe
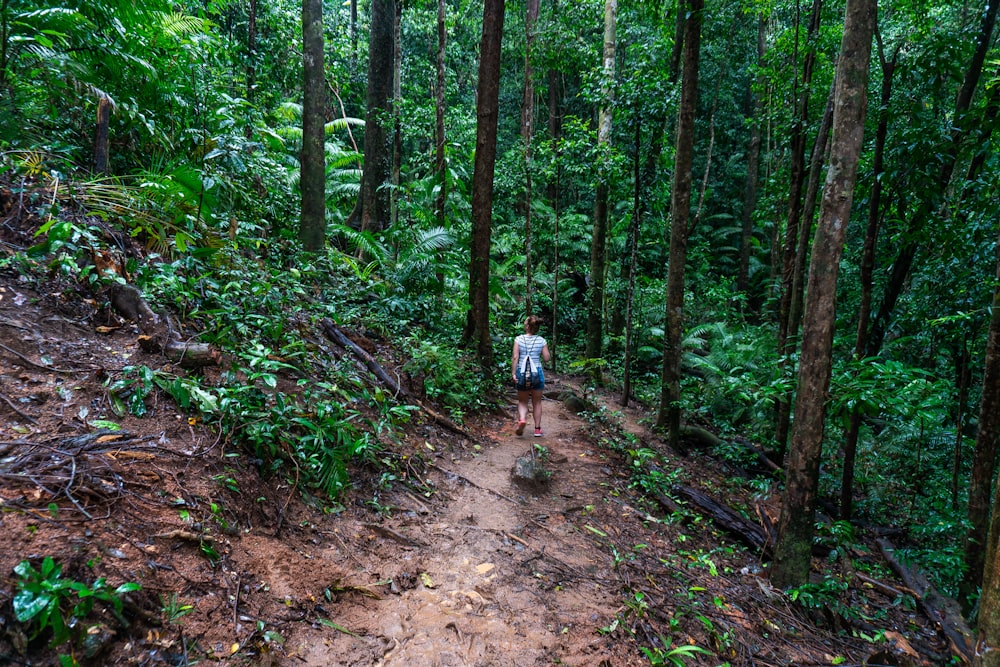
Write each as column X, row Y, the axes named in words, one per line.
column 520, row 428
column 538, row 433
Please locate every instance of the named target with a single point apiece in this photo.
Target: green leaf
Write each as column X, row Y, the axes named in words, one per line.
column 27, row 605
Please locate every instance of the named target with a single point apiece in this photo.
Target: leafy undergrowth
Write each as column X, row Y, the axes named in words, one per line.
column 276, row 508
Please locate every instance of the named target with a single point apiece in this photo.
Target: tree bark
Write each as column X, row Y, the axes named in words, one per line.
column 312, row 224
column 101, row 135
column 373, row 210
column 787, row 340
column 987, row 439
column 795, row 528
column 669, row 415
column 753, row 172
column 598, row 239
column 867, row 271
column 477, row 326
column 440, row 164
column 527, row 132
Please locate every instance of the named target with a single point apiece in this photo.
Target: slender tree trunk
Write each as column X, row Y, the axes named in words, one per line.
column 753, row 172
column 598, row 239
column 816, row 163
column 555, row 133
column 669, row 415
column 477, row 327
column 251, row 53
column 795, row 528
column 632, row 246
column 101, row 135
column 988, row 441
column 867, row 273
column 373, row 209
column 527, row 130
column 352, row 31
column 312, row 225
column 397, row 104
column 440, row 164
column 786, row 342
column 440, row 160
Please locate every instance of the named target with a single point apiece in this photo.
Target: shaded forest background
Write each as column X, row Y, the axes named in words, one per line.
column 165, row 146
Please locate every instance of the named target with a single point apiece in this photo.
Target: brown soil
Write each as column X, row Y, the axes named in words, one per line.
column 457, row 564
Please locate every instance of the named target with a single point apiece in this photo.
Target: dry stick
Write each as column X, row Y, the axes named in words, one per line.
column 42, row 366
column 15, row 409
column 471, row 483
column 335, row 334
column 941, row 611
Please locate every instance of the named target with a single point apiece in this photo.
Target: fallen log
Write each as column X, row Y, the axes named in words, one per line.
column 185, row 355
column 725, row 518
column 942, row 611
column 157, row 334
column 334, row 333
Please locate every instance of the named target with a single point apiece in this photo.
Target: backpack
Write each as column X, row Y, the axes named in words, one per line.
column 528, row 378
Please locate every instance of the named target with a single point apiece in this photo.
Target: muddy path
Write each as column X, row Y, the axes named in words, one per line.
column 488, row 571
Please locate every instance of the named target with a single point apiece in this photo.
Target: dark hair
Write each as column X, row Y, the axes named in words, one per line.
column 532, row 324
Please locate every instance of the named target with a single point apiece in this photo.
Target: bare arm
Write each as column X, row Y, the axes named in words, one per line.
column 545, row 352
column 513, row 361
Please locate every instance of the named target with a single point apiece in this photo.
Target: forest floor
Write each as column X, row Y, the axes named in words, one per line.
column 453, row 562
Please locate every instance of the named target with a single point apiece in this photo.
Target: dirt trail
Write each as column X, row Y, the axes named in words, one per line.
column 484, row 573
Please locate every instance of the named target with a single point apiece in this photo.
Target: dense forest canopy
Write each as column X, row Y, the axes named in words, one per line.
column 177, row 131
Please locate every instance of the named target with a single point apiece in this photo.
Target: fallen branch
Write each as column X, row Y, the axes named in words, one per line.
column 159, row 336
column 942, row 611
column 748, row 532
column 334, row 333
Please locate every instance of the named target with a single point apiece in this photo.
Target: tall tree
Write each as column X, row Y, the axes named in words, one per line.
column 312, row 224
column 440, row 164
column 669, row 415
column 797, row 149
column 527, row 130
column 598, row 239
column 477, row 325
column 373, row 209
column 753, row 169
column 988, row 438
column 795, row 527
column 867, row 268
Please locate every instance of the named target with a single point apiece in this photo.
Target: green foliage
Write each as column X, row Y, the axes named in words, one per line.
column 47, row 601
column 449, row 377
column 678, row 656
column 826, row 594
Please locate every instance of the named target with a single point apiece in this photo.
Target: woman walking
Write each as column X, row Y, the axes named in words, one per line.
column 529, row 377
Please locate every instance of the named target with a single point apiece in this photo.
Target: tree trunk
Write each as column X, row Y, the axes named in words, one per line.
column 312, row 178
column 867, row 272
column 440, row 160
column 987, row 437
column 440, row 164
column 795, row 528
column 555, row 132
column 372, row 212
column 669, row 416
column 787, row 341
column 397, row 105
column 477, row 326
column 598, row 239
column 101, row 135
column 527, row 131
column 753, row 172
column 251, row 55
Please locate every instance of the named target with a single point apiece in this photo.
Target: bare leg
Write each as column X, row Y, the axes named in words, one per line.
column 536, row 406
column 522, row 405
